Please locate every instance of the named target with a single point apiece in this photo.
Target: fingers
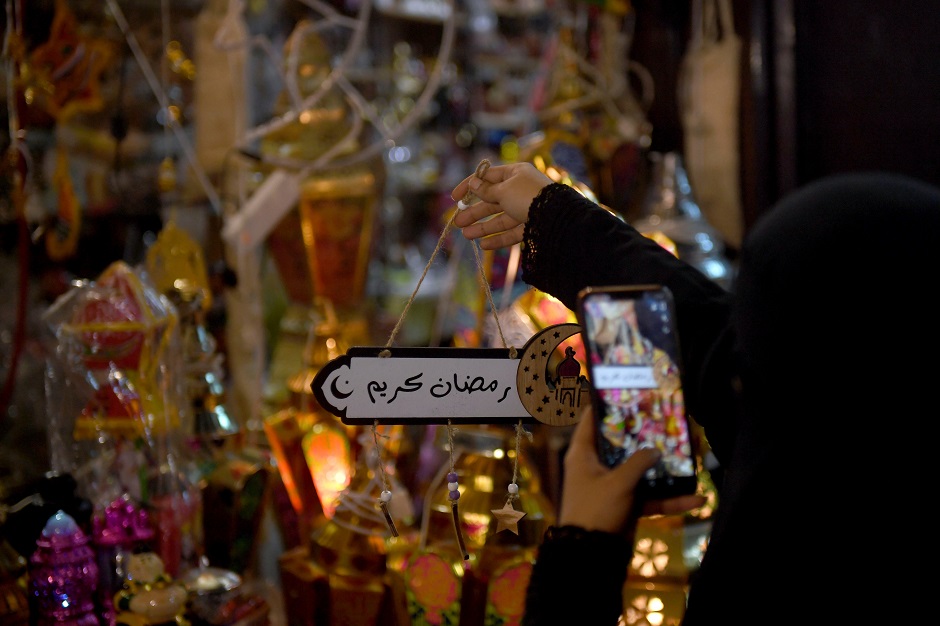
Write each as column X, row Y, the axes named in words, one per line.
column 673, row 506
column 583, row 435
column 476, row 185
column 633, row 468
column 474, row 213
column 484, row 187
column 500, row 240
column 494, row 206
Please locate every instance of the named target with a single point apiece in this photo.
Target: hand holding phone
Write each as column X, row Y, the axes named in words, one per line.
column 633, row 361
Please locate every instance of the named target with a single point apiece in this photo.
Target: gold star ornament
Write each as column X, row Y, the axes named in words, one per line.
column 507, row 518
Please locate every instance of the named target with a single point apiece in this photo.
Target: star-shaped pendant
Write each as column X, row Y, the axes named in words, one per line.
column 507, row 518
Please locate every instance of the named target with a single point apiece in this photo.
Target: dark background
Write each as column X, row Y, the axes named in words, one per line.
column 827, row 87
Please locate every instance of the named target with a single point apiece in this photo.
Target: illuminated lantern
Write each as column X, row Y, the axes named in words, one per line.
column 342, row 576
column 495, row 574
column 666, row 551
column 63, row 575
column 310, row 444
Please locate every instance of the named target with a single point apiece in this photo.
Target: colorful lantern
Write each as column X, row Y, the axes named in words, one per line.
column 114, row 333
column 63, row 575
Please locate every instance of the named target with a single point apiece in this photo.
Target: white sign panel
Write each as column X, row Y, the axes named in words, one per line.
column 421, row 385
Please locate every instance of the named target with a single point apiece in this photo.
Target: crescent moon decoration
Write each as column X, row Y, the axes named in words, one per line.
column 336, row 392
column 551, row 397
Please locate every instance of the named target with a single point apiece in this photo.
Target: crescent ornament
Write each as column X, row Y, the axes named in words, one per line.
column 552, row 397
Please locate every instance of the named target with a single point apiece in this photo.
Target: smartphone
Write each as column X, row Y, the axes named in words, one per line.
column 633, row 363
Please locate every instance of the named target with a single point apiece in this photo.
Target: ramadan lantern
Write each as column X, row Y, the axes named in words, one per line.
column 342, row 575
column 488, row 586
column 117, row 531
column 63, row 575
column 115, row 333
column 327, row 444
column 121, row 336
column 322, row 250
column 233, row 480
column 177, row 269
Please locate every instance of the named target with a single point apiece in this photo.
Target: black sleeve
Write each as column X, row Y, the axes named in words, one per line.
column 571, row 243
column 578, row 578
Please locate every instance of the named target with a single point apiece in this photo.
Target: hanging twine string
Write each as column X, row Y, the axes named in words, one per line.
column 401, row 320
column 464, row 202
column 453, row 493
column 386, row 496
column 489, row 297
column 513, row 490
column 452, row 484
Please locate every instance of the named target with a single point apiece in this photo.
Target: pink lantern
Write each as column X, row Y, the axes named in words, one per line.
column 63, row 575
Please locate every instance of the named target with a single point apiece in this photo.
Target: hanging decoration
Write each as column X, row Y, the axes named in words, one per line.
column 385, row 496
column 446, row 385
column 593, row 125
column 171, row 123
column 58, row 80
column 709, row 89
column 62, row 77
column 508, row 517
column 453, row 492
column 354, row 30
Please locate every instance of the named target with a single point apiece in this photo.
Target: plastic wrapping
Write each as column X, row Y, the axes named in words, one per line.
column 116, row 401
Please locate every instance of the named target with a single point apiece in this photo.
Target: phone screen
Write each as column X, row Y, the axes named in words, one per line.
column 632, row 353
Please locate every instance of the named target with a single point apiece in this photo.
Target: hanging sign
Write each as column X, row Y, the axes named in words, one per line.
column 459, row 385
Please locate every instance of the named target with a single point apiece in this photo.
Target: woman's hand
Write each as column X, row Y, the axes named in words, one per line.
column 596, row 497
column 505, row 194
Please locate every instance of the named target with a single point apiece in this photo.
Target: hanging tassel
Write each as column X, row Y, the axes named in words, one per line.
column 386, row 496
column 507, row 518
column 454, row 492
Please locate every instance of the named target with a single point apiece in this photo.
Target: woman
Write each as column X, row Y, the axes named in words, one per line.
column 812, row 381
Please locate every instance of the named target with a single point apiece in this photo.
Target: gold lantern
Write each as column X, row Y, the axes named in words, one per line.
column 232, row 479
column 489, row 585
column 666, row 551
column 322, row 251
column 342, row 575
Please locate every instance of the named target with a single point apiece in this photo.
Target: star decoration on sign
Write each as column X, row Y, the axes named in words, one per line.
column 507, row 518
